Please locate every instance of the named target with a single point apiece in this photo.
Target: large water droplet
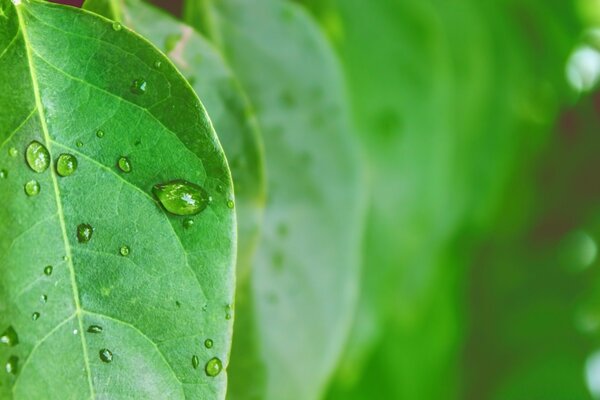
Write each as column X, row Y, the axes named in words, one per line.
column 95, row 329
column 106, row 355
column 139, row 86
column 124, row 164
column 37, row 156
column 12, row 365
column 195, row 362
column 208, row 343
column 213, row 367
column 180, row 197
column 10, row 337
column 32, row 188
column 35, row 316
column 48, row 270
column 124, row 250
column 66, row 164
column 84, row 233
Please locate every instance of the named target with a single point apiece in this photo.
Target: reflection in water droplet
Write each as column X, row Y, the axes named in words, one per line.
column 139, row 86
column 37, row 156
column 66, row 165
column 195, row 362
column 124, row 164
column 106, row 355
column 13, row 152
column 117, row 26
column 188, row 223
column 12, row 365
column 84, row 233
column 95, row 329
column 32, row 188
column 208, row 343
column 124, row 250
column 9, row 337
column 48, row 270
column 180, row 197
column 35, row 316
column 213, row 367
column 100, row 134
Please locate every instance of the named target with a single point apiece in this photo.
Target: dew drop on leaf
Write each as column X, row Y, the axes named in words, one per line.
column 124, row 164
column 117, row 26
column 180, row 197
column 213, row 367
column 79, row 143
column 44, row 298
column 48, row 270
column 66, row 165
column 32, row 188
column 230, row 204
column 13, row 152
column 208, row 343
column 195, row 362
column 37, row 156
column 139, row 86
column 124, row 250
column 106, row 355
column 188, row 223
column 10, row 337
column 100, row 134
column 3, row 174
column 94, row 329
column 12, row 365
column 84, row 233
column 157, row 64
column 35, row 316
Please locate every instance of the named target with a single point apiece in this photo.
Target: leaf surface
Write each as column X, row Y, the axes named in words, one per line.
column 155, row 288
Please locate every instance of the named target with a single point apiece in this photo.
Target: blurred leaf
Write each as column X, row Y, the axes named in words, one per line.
column 108, row 295
column 306, row 272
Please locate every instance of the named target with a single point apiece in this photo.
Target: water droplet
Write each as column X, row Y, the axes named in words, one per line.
column 208, row 343
column 157, row 64
column 44, row 298
column 66, row 165
column 84, row 233
column 230, row 204
column 228, row 316
column 3, row 174
column 37, row 156
column 106, row 355
column 117, row 26
column 100, row 134
column 79, row 143
column 10, row 337
column 213, row 367
column 35, row 316
column 124, row 164
column 139, row 86
column 188, row 223
column 220, row 188
column 65, row 258
column 12, row 365
column 178, row 303
column 95, row 329
column 124, row 250
column 180, row 197
column 75, row 331
column 195, row 362
column 32, row 188
column 48, row 270
column 13, row 152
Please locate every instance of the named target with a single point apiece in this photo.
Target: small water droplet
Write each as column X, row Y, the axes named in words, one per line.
column 3, row 174
column 117, row 26
column 139, row 86
column 106, row 355
column 188, row 223
column 157, row 64
column 66, row 165
column 230, row 204
column 95, row 329
column 124, row 164
column 213, row 367
column 12, row 365
column 208, row 343
column 100, row 134
column 195, row 362
column 48, row 270
column 65, row 258
column 32, row 188
column 37, row 156
column 84, row 233
column 180, row 197
column 44, row 298
column 177, row 303
column 79, row 143
column 13, row 152
column 228, row 316
column 75, row 331
column 9, row 337
column 35, row 316
column 124, row 250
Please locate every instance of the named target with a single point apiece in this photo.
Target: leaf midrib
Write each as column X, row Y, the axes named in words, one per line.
column 59, row 206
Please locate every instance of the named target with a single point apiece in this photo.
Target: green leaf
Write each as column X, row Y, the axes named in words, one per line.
column 305, row 275
column 132, row 293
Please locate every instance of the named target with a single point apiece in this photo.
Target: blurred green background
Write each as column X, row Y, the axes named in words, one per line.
column 479, row 125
